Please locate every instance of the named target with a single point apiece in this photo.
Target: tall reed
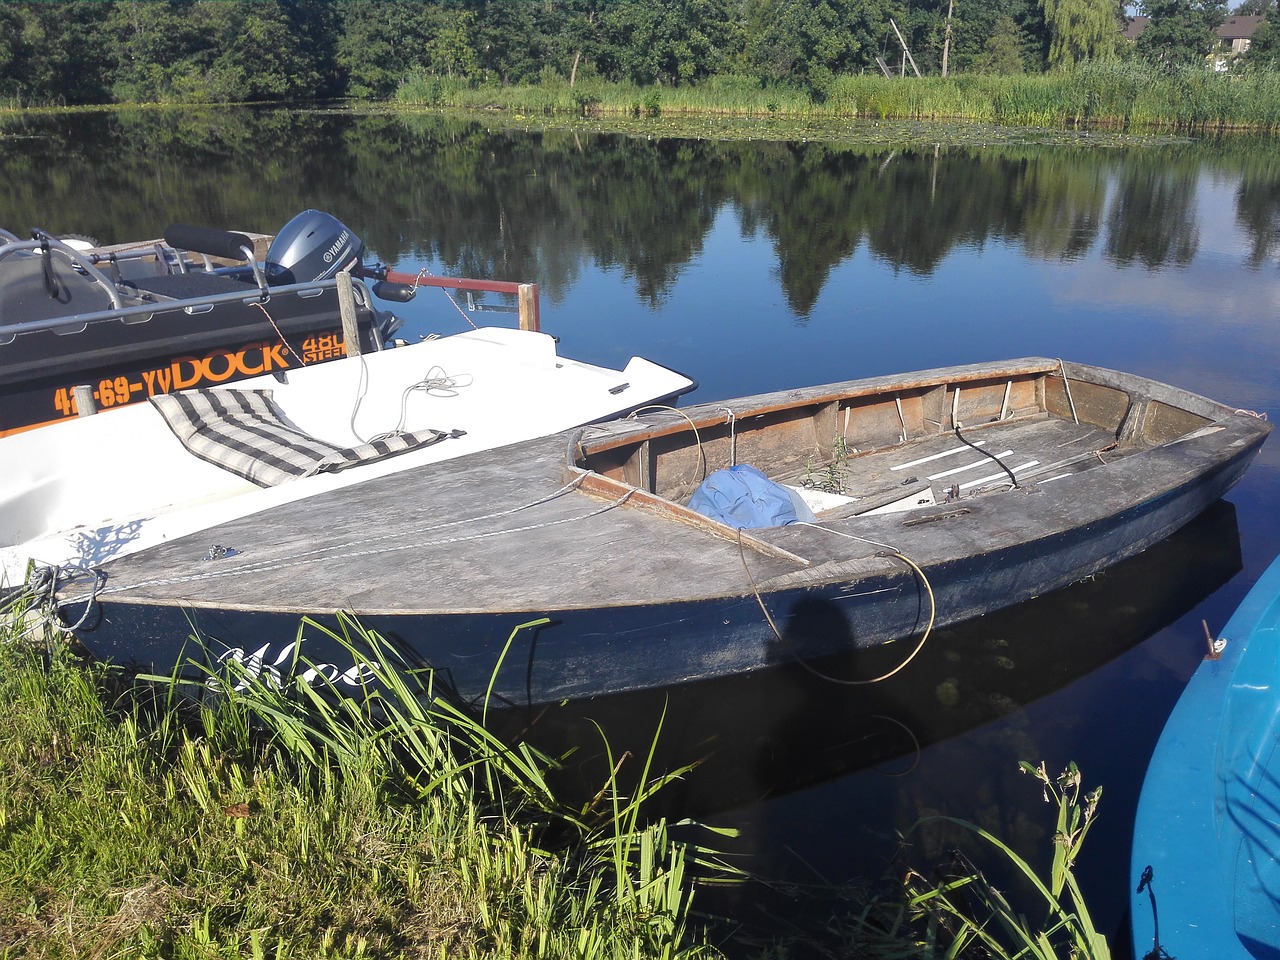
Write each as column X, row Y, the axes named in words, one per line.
column 960, row 911
column 1126, row 94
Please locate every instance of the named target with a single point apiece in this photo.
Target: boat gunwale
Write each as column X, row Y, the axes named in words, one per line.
column 712, row 413
column 672, row 421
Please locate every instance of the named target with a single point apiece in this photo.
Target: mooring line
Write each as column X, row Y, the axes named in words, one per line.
column 314, row 556
column 887, row 552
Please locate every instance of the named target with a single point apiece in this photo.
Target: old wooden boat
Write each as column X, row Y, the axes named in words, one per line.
column 572, row 566
column 1206, row 846
column 200, row 308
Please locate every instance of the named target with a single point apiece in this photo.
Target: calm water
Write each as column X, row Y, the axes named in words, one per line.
column 759, row 265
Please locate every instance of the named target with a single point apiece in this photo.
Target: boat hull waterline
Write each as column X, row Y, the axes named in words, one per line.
column 637, row 592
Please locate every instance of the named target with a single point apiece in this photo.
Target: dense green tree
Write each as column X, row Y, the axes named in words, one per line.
column 809, row 43
column 974, row 25
column 1264, row 49
column 1002, row 53
column 218, row 51
column 675, row 42
column 152, row 42
column 581, row 35
column 382, row 42
column 12, row 51
column 1081, row 30
column 451, row 45
column 58, row 51
column 514, row 41
column 1180, row 32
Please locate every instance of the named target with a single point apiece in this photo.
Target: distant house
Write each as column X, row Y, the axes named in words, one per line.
column 1131, row 27
column 1237, row 32
column 1233, row 36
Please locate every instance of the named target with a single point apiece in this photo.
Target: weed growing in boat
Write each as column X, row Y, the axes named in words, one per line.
column 830, row 477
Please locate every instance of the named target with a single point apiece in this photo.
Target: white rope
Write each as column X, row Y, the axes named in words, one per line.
column 889, row 552
column 436, row 383
column 697, row 437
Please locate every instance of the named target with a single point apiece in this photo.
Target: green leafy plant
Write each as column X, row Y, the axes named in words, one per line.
column 600, row 872
column 965, row 914
column 830, row 477
column 960, row 911
column 271, row 819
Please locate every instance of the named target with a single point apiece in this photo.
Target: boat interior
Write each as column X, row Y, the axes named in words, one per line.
column 861, row 451
column 46, row 278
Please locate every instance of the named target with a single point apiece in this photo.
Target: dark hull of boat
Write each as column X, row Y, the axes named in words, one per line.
column 128, row 362
column 783, row 729
column 579, row 653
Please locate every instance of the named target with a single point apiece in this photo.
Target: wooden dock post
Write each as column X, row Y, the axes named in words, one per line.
column 85, row 407
column 347, row 308
column 529, row 313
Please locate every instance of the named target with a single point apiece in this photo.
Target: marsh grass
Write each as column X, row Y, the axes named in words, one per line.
column 292, row 823
column 960, row 910
column 1125, row 94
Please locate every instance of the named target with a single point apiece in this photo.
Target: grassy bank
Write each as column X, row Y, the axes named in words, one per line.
column 306, row 826
column 1123, row 94
column 129, row 829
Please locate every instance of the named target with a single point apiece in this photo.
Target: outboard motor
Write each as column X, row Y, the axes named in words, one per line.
column 314, row 245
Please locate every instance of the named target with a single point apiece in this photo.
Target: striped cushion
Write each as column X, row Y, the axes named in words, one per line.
column 245, row 432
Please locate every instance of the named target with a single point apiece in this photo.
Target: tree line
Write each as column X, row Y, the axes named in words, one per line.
column 130, row 51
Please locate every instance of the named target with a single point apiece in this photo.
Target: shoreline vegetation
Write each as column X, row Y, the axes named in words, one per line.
column 267, row 824
column 292, row 823
column 1108, row 97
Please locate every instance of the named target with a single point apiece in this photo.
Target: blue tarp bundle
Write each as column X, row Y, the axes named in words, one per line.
column 742, row 496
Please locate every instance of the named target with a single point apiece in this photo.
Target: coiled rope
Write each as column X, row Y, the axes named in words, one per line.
column 41, row 590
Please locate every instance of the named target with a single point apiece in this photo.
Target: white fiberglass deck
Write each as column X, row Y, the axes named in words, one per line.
column 86, row 490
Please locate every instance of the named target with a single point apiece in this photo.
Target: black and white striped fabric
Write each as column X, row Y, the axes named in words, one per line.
column 245, row 432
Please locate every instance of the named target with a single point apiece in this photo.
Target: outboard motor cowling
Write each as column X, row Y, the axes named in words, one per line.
column 314, row 245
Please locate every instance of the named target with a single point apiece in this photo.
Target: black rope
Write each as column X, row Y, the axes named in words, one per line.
column 1157, row 952
column 50, row 279
column 992, row 456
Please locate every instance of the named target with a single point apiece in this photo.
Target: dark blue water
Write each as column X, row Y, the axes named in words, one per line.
column 761, row 265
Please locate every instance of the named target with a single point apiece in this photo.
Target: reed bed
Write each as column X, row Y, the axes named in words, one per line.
column 1124, row 94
